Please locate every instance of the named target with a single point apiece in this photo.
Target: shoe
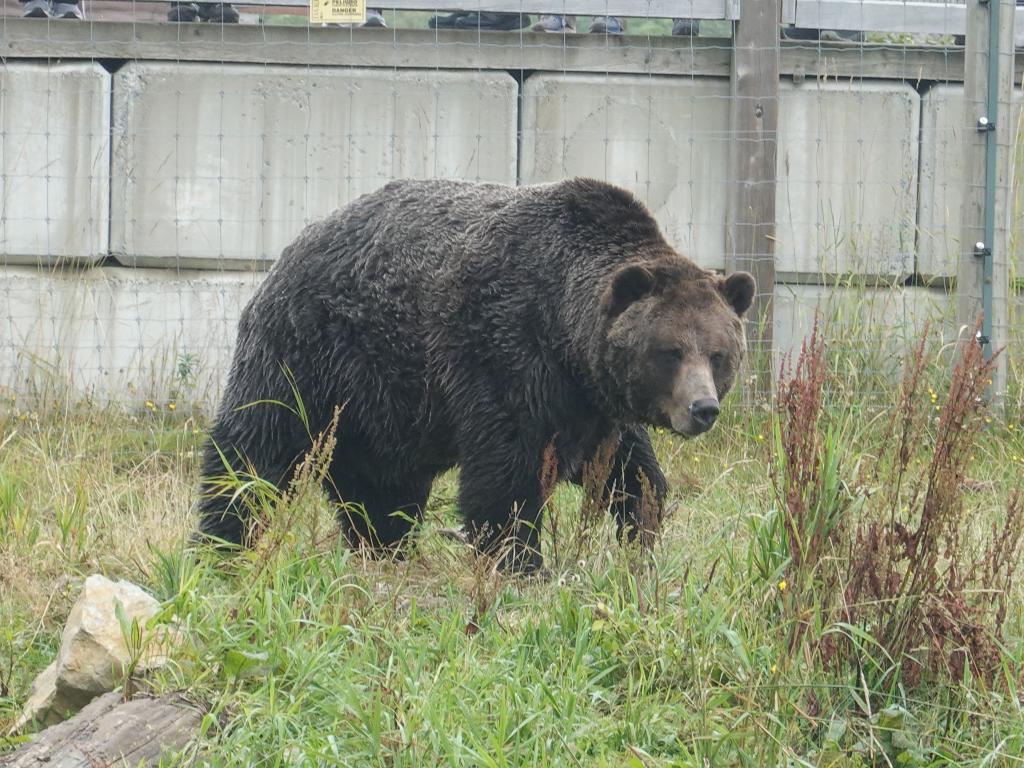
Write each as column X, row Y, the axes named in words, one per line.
column 446, row 22
column 499, row 22
column 828, row 35
column 552, row 23
column 799, row 33
column 607, row 25
column 183, row 12
column 218, row 13
column 685, row 27
column 36, row 9
column 374, row 18
column 841, row 36
column 67, row 11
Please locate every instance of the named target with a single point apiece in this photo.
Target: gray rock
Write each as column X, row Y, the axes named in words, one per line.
column 94, row 654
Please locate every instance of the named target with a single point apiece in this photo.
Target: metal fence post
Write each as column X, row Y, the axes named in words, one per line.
column 983, row 274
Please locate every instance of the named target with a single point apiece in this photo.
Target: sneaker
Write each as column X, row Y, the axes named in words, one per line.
column 501, row 22
column 828, row 35
column 685, row 27
column 36, row 9
column 551, row 23
column 447, row 21
column 218, row 13
column 183, row 12
column 67, row 11
column 841, row 36
column 607, row 25
column 374, row 18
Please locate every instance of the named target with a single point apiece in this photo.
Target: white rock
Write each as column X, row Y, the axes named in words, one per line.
column 94, row 654
column 44, row 706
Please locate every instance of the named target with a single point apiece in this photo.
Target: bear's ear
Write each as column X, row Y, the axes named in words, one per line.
column 738, row 290
column 629, row 284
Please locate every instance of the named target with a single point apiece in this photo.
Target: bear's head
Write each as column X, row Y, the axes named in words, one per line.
column 673, row 341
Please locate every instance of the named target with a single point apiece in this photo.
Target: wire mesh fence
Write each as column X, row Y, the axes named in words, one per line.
column 155, row 158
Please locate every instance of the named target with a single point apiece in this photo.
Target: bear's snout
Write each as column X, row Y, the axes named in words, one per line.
column 693, row 406
column 704, row 412
column 696, row 418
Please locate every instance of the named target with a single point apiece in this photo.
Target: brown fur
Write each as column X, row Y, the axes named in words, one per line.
column 475, row 325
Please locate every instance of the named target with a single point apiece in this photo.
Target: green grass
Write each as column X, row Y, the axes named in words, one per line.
column 309, row 654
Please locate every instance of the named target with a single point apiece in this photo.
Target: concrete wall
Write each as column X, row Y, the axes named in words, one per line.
column 214, row 168
column 847, row 171
column 878, row 326
column 120, row 334
column 54, row 162
column 848, row 160
column 137, row 334
column 942, row 178
column 220, row 166
column 665, row 139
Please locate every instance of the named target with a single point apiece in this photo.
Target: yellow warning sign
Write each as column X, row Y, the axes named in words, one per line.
column 337, row 11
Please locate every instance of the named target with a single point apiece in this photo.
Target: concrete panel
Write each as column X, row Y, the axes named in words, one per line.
column 874, row 327
column 54, row 162
column 221, row 166
column 942, row 180
column 125, row 335
column 665, row 139
column 847, row 169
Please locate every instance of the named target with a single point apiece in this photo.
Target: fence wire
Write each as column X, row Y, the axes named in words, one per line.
column 155, row 158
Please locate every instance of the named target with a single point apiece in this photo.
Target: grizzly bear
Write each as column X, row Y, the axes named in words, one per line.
column 481, row 326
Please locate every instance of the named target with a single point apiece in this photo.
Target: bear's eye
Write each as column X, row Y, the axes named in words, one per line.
column 717, row 358
column 670, row 354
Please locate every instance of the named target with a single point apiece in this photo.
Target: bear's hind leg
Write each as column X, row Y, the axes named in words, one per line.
column 500, row 500
column 377, row 514
column 225, row 508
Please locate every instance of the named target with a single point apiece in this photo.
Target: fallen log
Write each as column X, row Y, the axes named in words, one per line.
column 112, row 732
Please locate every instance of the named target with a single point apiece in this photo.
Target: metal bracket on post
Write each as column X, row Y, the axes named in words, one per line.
column 984, row 124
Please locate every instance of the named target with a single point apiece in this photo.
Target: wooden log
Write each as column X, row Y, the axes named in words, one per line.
column 112, row 732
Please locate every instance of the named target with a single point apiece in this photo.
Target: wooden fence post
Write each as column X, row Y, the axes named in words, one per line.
column 983, row 275
column 753, row 132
